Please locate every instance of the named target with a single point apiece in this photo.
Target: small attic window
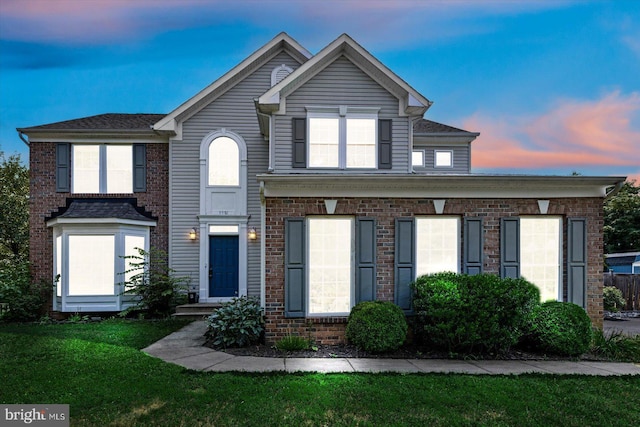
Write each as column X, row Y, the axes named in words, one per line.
column 279, row 73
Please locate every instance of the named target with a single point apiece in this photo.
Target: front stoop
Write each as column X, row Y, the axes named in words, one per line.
column 195, row 311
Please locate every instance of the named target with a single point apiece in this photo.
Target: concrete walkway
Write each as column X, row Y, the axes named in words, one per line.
column 185, row 348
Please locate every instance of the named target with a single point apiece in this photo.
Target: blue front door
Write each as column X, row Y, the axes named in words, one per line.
column 223, row 266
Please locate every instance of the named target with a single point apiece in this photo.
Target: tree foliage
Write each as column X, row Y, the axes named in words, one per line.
column 14, row 207
column 622, row 220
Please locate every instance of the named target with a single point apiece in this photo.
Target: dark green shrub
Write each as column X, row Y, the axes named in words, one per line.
column 237, row 323
column 561, row 328
column 22, row 299
column 471, row 314
column 155, row 284
column 292, row 343
column 377, row 326
column 613, row 299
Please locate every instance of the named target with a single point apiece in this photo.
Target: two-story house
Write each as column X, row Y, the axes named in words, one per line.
column 310, row 181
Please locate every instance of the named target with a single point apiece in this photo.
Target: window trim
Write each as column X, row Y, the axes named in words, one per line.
column 352, row 259
column 560, row 248
column 343, row 113
column 422, row 154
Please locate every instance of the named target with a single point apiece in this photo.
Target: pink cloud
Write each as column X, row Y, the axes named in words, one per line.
column 571, row 134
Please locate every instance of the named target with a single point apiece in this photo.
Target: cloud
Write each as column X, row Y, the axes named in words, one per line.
column 82, row 22
column 571, row 134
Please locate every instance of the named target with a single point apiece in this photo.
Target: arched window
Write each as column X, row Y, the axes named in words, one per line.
column 224, row 162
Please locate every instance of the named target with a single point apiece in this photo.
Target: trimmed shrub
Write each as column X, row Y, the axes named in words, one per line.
column 561, row 328
column 472, row 314
column 613, row 299
column 237, row 323
column 377, row 326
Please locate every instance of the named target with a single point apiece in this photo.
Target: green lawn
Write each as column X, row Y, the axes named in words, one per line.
column 99, row 370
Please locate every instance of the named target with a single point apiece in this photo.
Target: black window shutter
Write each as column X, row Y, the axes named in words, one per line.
column 510, row 247
column 139, row 168
column 294, row 279
column 404, row 262
column 365, row 259
column 299, row 134
column 577, row 261
column 63, row 166
column 384, row 144
column 473, row 246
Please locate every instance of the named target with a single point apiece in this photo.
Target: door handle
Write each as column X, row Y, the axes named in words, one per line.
column 210, row 272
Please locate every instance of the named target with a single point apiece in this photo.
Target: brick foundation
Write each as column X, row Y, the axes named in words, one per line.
column 386, row 210
column 44, row 200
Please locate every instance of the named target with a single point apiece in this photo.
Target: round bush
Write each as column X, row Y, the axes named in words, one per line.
column 472, row 314
column 561, row 328
column 613, row 299
column 377, row 326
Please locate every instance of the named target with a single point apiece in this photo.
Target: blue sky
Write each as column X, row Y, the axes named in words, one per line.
column 552, row 86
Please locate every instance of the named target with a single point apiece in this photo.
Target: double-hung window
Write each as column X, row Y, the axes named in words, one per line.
column 541, row 254
column 330, row 265
column 437, row 244
column 342, row 138
column 102, row 169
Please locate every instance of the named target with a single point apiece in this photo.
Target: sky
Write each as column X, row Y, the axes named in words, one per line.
column 552, row 86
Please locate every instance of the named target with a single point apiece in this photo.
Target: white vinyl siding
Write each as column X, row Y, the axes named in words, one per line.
column 330, row 265
column 437, row 245
column 541, row 255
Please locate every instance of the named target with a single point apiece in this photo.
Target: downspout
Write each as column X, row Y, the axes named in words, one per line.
column 263, row 245
column 26, row 141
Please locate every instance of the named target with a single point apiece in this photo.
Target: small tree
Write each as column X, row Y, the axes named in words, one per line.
column 151, row 279
column 14, row 207
column 622, row 220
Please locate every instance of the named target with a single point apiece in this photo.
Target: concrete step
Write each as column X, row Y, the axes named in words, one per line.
column 195, row 311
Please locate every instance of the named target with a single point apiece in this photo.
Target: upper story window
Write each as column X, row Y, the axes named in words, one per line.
column 102, row 169
column 342, row 138
column 224, row 162
column 443, row 159
column 417, row 158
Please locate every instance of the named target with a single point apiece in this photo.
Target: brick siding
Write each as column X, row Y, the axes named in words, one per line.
column 386, row 210
column 44, row 200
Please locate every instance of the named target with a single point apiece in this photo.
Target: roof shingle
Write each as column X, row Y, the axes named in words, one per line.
column 103, row 122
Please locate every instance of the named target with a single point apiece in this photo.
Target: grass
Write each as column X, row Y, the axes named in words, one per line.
column 99, row 370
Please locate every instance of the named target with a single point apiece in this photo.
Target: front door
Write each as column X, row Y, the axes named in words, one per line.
column 223, row 266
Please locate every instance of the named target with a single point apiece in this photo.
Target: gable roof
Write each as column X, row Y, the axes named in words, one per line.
column 101, row 122
column 412, row 102
column 194, row 104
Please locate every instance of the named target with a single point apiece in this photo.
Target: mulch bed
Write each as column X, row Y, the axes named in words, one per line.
column 405, row 352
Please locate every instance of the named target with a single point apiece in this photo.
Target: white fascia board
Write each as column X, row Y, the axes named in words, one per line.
column 169, row 121
column 435, row 186
column 99, row 137
column 100, row 221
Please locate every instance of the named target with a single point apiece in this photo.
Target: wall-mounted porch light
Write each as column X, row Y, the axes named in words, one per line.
column 253, row 235
column 193, row 234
